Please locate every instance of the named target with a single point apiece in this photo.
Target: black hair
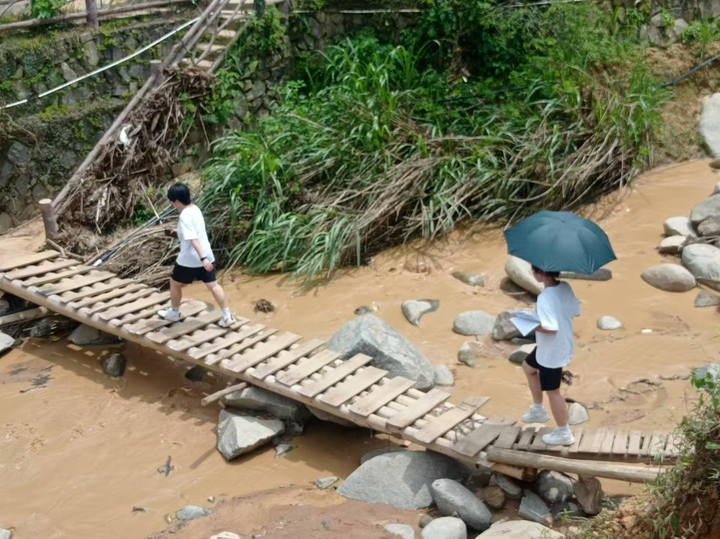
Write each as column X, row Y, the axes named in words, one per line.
column 179, row 193
column 553, row 274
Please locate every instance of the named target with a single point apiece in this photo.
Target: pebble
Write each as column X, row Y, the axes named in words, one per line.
column 226, row 535
column 494, row 497
column 472, row 279
column 211, row 499
column 609, row 323
column 114, row 364
column 367, row 309
column 706, row 299
column 471, row 353
column 282, row 449
column 325, row 482
column 191, row 512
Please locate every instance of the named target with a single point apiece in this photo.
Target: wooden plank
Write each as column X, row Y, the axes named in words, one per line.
column 226, row 342
column 634, row 443
column 134, row 306
column 431, row 400
column 439, row 425
column 598, row 442
column 647, row 444
column 287, row 357
column 336, row 375
column 657, row 446
column 237, row 348
column 674, row 443
column 45, row 279
column 187, row 309
column 240, row 362
column 620, row 443
column 588, row 440
column 117, row 302
column 353, row 385
column 312, row 365
column 26, row 260
column 526, row 437
column 75, row 283
column 179, row 329
column 537, row 443
column 607, row 445
column 574, row 448
column 507, row 437
column 97, row 291
column 42, row 269
column 376, row 399
column 479, row 439
column 145, row 314
column 197, row 338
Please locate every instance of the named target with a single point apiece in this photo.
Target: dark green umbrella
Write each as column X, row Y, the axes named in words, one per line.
column 560, row 241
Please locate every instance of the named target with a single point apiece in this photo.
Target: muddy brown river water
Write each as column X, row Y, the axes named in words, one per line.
column 80, row 452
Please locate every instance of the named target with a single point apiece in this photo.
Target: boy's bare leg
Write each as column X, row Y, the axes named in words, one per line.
column 533, row 379
column 218, row 293
column 175, row 293
column 558, row 407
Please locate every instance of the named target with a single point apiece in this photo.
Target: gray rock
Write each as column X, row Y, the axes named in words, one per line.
column 114, row 364
column 679, row 226
column 554, row 487
column 262, row 400
column 561, row 510
column 282, row 449
column 532, row 507
column 390, row 350
column 453, row 499
column 399, row 479
column 609, row 323
column 504, row 329
column 474, row 323
column 400, row 530
column 710, row 227
column 6, row 342
column 589, row 494
column 325, row 482
column 679, row 28
column 445, row 528
column 710, row 207
column 444, row 376
column 703, row 261
column 507, row 484
column 226, row 535
column 519, row 355
column 89, row 336
column 519, row 529
column 92, row 56
column 603, row 274
column 577, row 414
column 494, row 497
column 5, row 534
column 365, row 309
column 520, row 272
column 238, row 434
column 67, row 72
column 425, row 520
column 471, row 353
column 6, row 173
column 325, row 416
column 473, row 279
column 196, row 373
column 191, row 512
column 706, row 299
column 671, row 245
column 669, row 277
column 414, row 309
column 380, row 451
column 18, row 154
column 713, row 369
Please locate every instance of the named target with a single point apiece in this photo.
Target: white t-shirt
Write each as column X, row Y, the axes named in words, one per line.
column 557, row 306
column 191, row 226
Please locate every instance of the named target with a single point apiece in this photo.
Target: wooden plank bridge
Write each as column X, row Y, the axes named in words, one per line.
column 303, row 370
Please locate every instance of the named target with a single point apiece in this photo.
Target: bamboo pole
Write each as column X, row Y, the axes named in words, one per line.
column 23, row 316
column 48, row 216
column 220, row 394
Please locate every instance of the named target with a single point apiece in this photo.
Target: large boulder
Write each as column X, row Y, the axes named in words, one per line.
column 589, row 494
column 577, row 414
column 703, row 261
column 519, row 529
column 444, row 376
column 671, row 245
column 89, row 336
column 5, row 534
column 504, row 329
column 399, row 479
column 710, row 207
column 706, row 299
column 678, row 226
column 391, row 351
column 602, row 274
column 710, row 226
column 326, row 416
column 238, row 434
column 453, row 499
column 520, row 272
column 445, row 528
column 532, row 507
column 474, row 323
column 414, row 309
column 669, row 277
column 6, row 342
column 262, row 400
column 519, row 355
column 380, row 451
column 554, row 487
column 507, row 484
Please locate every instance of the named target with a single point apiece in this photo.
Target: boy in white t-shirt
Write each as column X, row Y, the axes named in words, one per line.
column 196, row 260
column 557, row 306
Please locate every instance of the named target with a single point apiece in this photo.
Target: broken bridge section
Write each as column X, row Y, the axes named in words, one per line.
column 304, row 370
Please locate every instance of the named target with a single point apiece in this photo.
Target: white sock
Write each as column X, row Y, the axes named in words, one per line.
column 174, row 310
column 226, row 312
column 538, row 407
column 564, row 430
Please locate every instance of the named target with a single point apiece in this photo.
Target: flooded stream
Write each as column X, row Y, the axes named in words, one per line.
column 79, row 450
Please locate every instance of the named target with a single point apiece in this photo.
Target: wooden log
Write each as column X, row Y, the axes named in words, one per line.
column 157, row 71
column 48, row 217
column 622, row 472
column 23, row 316
column 220, row 394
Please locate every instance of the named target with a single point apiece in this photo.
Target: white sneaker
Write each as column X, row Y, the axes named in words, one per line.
column 535, row 416
column 227, row 321
column 557, row 437
column 169, row 314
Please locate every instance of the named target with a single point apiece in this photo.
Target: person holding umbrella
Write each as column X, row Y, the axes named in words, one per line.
column 553, row 242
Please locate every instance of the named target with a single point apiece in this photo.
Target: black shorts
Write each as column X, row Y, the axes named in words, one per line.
column 549, row 378
column 186, row 275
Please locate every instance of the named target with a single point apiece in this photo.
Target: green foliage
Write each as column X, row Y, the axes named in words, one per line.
column 703, row 32
column 44, row 9
column 367, row 150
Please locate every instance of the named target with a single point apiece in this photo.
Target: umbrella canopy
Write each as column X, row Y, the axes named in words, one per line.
column 560, row 241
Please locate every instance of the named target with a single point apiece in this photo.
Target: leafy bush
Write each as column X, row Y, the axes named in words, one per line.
column 703, row 32
column 44, row 9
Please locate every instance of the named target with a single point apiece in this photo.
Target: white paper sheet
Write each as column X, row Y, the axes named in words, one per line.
column 525, row 321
